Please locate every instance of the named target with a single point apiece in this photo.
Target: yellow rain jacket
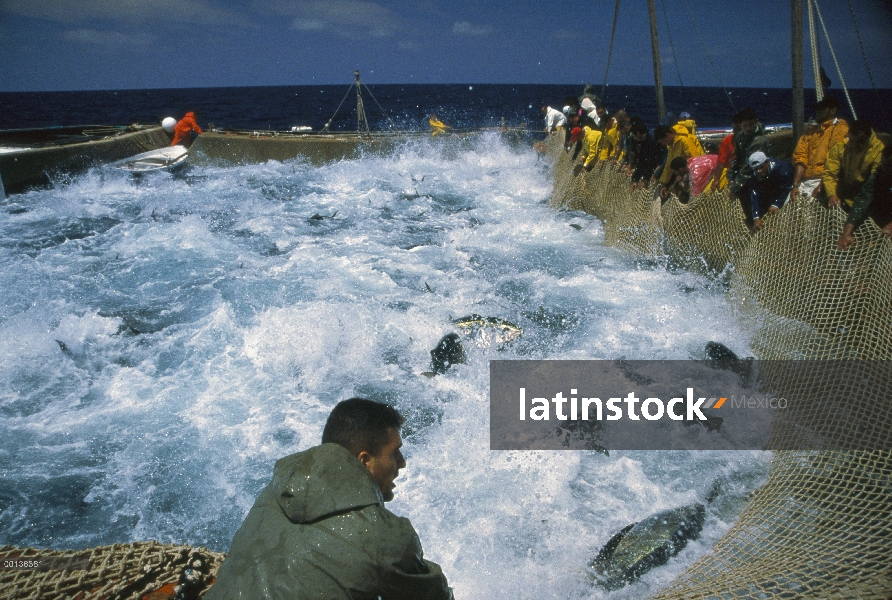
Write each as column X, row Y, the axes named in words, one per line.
column 609, row 140
column 591, row 145
column 689, row 127
column 845, row 170
column 686, row 145
column 811, row 150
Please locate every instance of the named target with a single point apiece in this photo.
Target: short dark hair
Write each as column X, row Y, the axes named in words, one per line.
column 747, row 114
column 828, row 102
column 678, row 162
column 358, row 424
column 662, row 131
column 860, row 127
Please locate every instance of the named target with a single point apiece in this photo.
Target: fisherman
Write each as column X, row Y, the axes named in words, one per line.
column 186, row 131
column 850, row 163
column 554, row 120
column 725, row 157
column 438, row 127
column 591, row 148
column 320, row 530
column 811, row 149
column 610, row 137
column 874, row 201
column 680, row 183
column 751, row 138
column 644, row 156
column 687, row 126
column 679, row 143
column 770, row 186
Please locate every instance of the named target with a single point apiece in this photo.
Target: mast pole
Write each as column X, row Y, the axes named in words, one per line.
column 798, row 94
column 361, row 123
column 655, row 45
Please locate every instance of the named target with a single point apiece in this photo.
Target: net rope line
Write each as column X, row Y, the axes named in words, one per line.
column 706, row 51
column 392, row 124
column 672, row 47
column 866, row 62
column 842, row 80
column 820, row 526
column 815, row 52
column 610, row 51
column 349, row 89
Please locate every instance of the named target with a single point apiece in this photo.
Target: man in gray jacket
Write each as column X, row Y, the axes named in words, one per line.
column 320, row 531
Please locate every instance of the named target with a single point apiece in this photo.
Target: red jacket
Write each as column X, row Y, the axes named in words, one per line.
column 184, row 128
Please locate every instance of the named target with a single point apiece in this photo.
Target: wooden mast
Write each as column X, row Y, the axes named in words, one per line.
column 655, row 45
column 798, row 94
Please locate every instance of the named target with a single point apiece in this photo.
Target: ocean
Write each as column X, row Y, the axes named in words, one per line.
column 405, row 107
column 165, row 339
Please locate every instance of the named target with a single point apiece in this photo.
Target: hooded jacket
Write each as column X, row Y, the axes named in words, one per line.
column 319, row 531
column 184, row 128
column 845, row 170
column 686, row 145
column 812, row 148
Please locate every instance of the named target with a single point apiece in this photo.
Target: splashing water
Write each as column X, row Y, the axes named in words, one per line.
column 164, row 340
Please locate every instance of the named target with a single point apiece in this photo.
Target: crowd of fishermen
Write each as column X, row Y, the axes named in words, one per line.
column 842, row 164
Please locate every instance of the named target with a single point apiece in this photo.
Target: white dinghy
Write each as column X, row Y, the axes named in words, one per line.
column 154, row 160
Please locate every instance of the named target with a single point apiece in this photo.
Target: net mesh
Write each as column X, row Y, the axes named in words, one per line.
column 820, row 527
column 117, row 572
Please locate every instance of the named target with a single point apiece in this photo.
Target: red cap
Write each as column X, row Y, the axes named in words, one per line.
column 575, row 134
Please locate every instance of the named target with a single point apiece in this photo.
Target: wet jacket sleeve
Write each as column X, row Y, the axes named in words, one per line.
column 406, row 575
column 830, row 178
column 593, row 144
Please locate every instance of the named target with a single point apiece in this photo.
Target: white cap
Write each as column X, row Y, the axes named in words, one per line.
column 567, row 110
column 757, row 159
column 684, row 115
column 169, row 124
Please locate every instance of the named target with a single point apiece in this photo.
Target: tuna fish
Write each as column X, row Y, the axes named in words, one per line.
column 641, row 546
column 488, row 331
column 449, row 351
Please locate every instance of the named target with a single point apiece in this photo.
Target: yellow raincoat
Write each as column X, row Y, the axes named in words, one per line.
column 845, row 171
column 811, row 149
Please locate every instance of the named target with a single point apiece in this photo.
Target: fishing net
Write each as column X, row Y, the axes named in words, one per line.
column 120, row 572
column 820, row 527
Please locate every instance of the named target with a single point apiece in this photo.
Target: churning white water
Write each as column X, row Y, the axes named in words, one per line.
column 164, row 340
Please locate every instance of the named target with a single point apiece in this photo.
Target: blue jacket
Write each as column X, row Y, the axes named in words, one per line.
column 773, row 190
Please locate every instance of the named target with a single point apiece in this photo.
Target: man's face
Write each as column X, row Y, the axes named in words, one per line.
column 824, row 113
column 639, row 135
column 748, row 127
column 762, row 170
column 668, row 139
column 859, row 140
column 387, row 464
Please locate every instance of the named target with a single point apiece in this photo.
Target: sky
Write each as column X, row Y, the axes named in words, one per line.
column 52, row 45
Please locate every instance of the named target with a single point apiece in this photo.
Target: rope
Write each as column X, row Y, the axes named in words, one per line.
column 873, row 84
column 609, row 51
column 672, row 47
column 709, row 56
column 349, row 89
column 835, row 62
column 815, row 52
column 392, row 124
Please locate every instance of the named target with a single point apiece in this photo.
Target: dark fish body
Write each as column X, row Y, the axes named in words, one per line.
column 640, row 547
column 449, row 351
column 722, row 357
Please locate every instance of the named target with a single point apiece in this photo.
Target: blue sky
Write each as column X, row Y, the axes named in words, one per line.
column 121, row 44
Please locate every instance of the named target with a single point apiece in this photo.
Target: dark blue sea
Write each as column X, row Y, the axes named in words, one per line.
column 407, row 106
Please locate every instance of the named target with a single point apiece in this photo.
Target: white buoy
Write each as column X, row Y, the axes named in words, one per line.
column 169, row 124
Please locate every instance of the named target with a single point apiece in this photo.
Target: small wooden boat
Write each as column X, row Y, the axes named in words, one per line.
column 167, row 158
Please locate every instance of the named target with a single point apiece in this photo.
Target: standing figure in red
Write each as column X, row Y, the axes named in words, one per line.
column 182, row 134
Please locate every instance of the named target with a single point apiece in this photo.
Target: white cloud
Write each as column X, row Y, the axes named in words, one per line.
column 348, row 18
column 108, row 39
column 466, row 28
column 202, row 12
